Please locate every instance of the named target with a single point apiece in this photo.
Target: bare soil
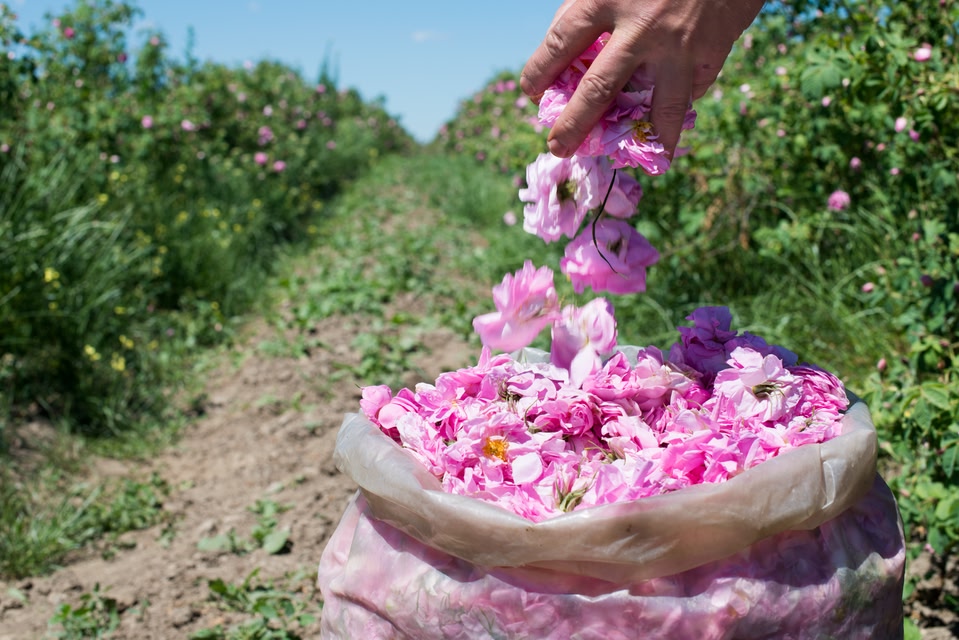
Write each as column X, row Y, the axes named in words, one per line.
column 267, row 432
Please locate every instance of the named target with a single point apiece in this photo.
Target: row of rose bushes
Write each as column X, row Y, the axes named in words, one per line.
column 145, row 199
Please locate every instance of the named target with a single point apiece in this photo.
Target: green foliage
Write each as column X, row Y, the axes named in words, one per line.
column 265, row 535
column 39, row 529
column 276, row 613
column 143, row 203
column 496, row 126
column 97, row 616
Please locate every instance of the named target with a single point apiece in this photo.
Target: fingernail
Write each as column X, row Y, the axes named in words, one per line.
column 557, row 148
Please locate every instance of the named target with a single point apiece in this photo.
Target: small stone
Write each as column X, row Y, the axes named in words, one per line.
column 182, row 616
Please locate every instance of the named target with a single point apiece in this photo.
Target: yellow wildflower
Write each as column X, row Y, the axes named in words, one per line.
column 118, row 362
column 91, row 353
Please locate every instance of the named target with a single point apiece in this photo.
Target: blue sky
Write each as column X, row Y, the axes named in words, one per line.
column 423, row 56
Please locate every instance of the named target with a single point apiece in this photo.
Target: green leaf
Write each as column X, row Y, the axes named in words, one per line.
column 937, row 539
column 947, row 508
column 911, row 631
column 949, row 458
column 216, row 543
column 276, row 541
column 820, row 76
column 937, row 394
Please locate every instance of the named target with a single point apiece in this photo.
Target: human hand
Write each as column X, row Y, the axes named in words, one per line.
column 682, row 44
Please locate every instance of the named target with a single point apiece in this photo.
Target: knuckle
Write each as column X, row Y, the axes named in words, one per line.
column 598, row 90
column 555, row 44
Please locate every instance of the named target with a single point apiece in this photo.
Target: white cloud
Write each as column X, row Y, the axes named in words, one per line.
column 425, row 35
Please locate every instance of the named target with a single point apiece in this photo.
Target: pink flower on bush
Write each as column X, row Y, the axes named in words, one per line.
column 923, row 53
column 279, row 166
column 581, row 336
column 146, row 122
column 68, row 33
column 838, row 201
column 900, row 124
column 187, row 125
column 526, row 302
column 264, row 135
column 868, row 287
column 616, row 262
column 855, row 163
column 260, row 158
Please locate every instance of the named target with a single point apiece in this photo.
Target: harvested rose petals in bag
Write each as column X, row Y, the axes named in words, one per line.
column 722, row 491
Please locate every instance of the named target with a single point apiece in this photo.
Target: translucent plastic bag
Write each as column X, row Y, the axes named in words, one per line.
column 807, row 545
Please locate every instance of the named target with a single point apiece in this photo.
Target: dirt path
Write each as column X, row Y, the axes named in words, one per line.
column 267, row 434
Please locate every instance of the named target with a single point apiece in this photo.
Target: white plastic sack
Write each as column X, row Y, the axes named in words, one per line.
column 806, row 545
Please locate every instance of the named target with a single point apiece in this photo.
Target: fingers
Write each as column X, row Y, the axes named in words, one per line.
column 573, row 30
column 597, row 90
column 671, row 98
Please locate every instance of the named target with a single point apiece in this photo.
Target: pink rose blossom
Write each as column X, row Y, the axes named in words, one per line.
column 838, row 201
column 581, row 336
column 509, row 218
column 260, row 158
column 923, row 53
column 754, row 386
column 526, row 302
column 146, row 122
column 187, row 125
column 559, row 194
column 855, row 163
column 616, row 262
column 868, row 287
column 68, row 33
column 264, row 135
column 900, row 124
column 279, row 166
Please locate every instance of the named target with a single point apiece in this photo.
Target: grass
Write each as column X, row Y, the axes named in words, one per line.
column 44, row 522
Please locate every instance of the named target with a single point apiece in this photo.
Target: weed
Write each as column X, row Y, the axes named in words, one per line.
column 97, row 616
column 277, row 613
column 264, row 535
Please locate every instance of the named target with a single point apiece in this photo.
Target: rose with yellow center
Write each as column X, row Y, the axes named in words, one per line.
column 495, row 447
